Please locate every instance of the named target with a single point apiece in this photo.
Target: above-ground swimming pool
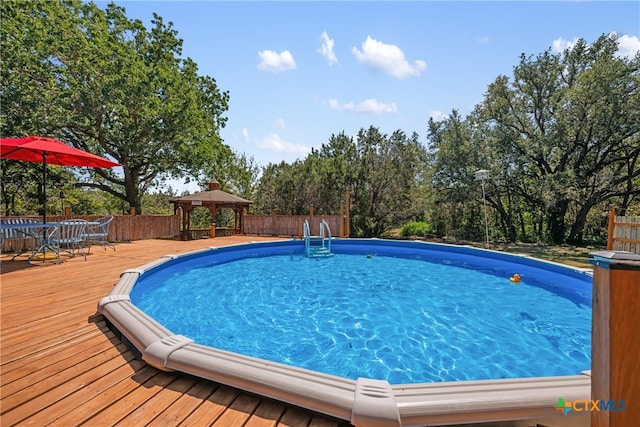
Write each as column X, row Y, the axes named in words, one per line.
column 391, row 313
column 334, row 333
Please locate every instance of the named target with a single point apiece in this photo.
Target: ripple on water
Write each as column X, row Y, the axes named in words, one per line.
column 398, row 319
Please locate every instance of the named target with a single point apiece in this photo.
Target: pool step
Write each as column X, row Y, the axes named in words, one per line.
column 318, row 251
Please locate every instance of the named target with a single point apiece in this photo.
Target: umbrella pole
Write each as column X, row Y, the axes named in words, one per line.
column 45, row 237
column 46, row 242
column 44, row 187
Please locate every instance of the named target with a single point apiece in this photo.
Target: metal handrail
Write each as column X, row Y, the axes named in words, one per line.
column 307, row 236
column 324, row 237
column 324, row 229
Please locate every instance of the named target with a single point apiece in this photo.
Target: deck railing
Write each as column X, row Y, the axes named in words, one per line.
column 126, row 228
column 623, row 232
column 123, row 228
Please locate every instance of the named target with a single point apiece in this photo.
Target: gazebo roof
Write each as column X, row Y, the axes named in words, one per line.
column 212, row 196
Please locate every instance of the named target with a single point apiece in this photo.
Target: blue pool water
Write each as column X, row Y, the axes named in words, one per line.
column 421, row 313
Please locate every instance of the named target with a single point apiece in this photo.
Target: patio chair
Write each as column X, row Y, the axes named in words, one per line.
column 14, row 232
column 97, row 233
column 70, row 236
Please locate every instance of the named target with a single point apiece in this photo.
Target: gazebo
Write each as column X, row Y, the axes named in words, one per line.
column 212, row 199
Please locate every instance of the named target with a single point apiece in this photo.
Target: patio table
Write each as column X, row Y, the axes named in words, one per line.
column 43, row 233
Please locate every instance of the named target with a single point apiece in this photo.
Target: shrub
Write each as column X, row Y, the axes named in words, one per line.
column 417, row 228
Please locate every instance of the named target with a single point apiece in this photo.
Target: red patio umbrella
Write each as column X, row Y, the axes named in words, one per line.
column 49, row 151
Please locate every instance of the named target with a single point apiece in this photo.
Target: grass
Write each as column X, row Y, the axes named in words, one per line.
column 575, row 256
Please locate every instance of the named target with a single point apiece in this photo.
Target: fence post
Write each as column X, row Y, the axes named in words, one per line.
column 615, row 377
column 611, row 226
column 342, row 233
column 347, row 207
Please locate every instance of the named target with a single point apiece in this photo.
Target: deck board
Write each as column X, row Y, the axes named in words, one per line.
column 60, row 365
column 266, row 415
column 187, row 403
column 211, row 408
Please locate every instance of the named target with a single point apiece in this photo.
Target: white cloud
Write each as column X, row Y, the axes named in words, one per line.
column 437, row 116
column 560, row 45
column 483, row 40
column 628, row 46
column 273, row 142
column 366, row 106
column 387, row 58
column 326, row 49
column 276, row 62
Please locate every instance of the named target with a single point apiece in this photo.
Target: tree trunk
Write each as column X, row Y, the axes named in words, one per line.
column 577, row 228
column 523, row 230
column 555, row 220
column 508, row 228
column 131, row 192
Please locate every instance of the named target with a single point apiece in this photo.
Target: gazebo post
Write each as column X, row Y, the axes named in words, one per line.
column 214, row 213
column 235, row 220
column 186, row 226
column 240, row 228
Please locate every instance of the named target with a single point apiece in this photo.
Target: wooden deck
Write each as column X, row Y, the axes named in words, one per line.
column 60, row 364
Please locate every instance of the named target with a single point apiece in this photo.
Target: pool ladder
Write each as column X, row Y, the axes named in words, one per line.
column 317, row 246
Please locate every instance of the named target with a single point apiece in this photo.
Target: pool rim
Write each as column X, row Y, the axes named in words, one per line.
column 363, row 401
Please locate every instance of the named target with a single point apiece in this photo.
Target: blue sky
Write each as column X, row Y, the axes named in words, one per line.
column 298, row 72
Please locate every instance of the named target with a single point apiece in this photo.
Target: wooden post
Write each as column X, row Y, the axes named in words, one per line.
column 187, row 228
column 615, row 346
column 311, row 208
column 347, row 207
column 132, row 211
column 342, row 234
column 611, row 226
column 214, row 214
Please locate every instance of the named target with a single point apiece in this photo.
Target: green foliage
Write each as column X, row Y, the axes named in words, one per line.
column 106, row 84
column 560, row 139
column 158, row 203
column 201, row 218
column 86, row 202
column 384, row 174
column 416, row 228
column 21, row 188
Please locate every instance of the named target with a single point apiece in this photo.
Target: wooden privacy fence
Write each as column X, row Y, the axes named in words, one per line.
column 126, row 228
column 623, row 232
column 123, row 228
column 291, row 225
